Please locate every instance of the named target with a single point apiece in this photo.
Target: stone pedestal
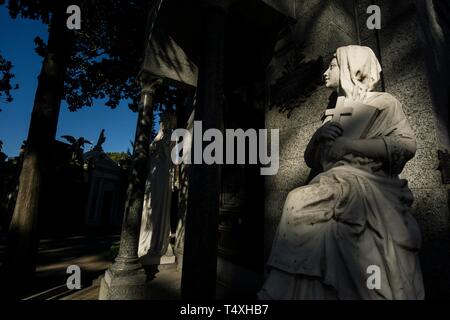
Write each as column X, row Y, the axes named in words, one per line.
column 131, row 285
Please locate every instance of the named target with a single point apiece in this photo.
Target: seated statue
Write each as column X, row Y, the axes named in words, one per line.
column 354, row 215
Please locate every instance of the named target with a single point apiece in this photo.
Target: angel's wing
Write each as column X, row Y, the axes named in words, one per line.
column 70, row 139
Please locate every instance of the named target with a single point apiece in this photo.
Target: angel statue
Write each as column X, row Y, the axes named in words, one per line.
column 100, row 141
column 77, row 146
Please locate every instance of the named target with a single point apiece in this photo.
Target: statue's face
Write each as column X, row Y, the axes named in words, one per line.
column 331, row 76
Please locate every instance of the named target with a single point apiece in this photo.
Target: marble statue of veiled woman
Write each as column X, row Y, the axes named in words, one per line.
column 155, row 224
column 353, row 219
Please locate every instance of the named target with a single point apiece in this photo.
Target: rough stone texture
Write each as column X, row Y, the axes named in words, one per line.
column 433, row 18
column 124, row 286
column 322, row 27
column 413, row 93
column 403, row 60
column 402, row 54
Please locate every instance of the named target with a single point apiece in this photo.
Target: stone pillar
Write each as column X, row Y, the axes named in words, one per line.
column 201, row 233
column 126, row 279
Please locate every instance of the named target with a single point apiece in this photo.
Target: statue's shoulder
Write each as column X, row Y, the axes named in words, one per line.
column 382, row 100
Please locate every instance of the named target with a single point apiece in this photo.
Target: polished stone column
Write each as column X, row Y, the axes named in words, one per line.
column 201, row 232
column 126, row 279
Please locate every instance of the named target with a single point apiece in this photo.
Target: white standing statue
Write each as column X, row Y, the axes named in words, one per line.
column 155, row 225
column 349, row 233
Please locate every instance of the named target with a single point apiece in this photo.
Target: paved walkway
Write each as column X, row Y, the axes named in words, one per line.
column 90, row 252
column 93, row 255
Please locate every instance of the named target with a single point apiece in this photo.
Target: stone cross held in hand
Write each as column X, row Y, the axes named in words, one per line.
column 337, row 113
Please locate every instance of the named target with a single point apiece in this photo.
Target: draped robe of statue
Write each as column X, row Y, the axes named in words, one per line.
column 155, row 224
column 355, row 213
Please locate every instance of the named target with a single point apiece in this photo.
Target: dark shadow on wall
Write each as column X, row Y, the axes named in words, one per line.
column 299, row 81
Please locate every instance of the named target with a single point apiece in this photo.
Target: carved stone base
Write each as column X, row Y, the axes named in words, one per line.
column 130, row 285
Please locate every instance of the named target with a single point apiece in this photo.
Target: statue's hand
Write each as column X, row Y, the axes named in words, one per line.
column 329, row 131
column 339, row 148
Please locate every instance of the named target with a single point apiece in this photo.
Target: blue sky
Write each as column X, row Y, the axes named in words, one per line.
column 16, row 45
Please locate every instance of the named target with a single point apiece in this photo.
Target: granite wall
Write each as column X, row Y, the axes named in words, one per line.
column 406, row 77
column 317, row 28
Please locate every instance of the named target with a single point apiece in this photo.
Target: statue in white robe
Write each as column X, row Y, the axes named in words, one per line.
column 155, row 224
column 354, row 216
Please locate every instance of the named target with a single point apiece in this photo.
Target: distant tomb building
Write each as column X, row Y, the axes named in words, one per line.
column 105, row 177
